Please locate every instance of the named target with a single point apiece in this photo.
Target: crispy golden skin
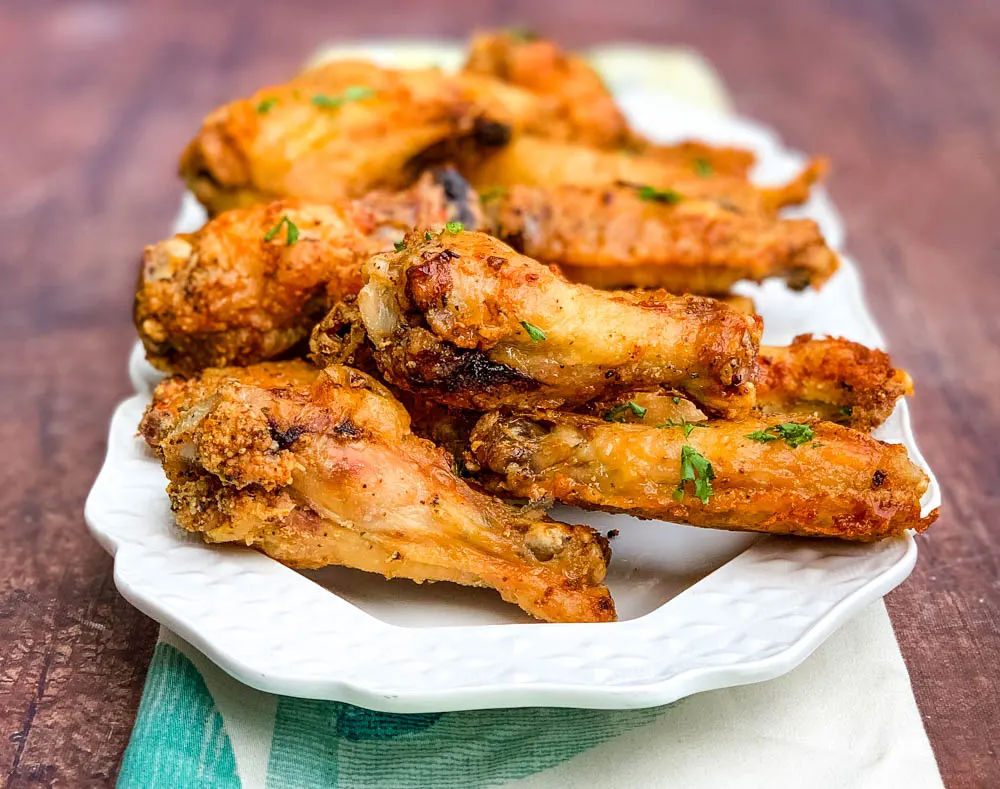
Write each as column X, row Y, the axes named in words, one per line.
column 228, row 295
column 831, row 379
column 843, row 483
column 319, row 467
column 574, row 104
column 538, row 162
column 610, row 237
column 452, row 317
column 341, row 130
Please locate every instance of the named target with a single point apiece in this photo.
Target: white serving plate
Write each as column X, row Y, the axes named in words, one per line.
column 699, row 609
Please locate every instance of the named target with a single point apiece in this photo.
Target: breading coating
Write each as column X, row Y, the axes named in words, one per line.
column 538, row 162
column 463, row 319
column 251, row 284
column 611, row 237
column 319, row 468
column 830, row 378
column 838, row 483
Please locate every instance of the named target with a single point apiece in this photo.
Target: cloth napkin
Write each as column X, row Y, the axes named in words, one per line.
column 845, row 718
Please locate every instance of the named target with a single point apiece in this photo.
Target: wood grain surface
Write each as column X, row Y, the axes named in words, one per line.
column 98, row 97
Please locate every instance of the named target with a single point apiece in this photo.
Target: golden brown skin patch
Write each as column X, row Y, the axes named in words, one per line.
column 341, row 130
column 574, row 104
column 610, row 237
column 227, row 294
column 543, row 163
column 463, row 319
column 830, row 379
column 842, row 483
column 319, row 468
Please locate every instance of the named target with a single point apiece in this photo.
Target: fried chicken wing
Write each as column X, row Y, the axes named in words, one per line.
column 538, row 162
column 341, row 130
column 319, row 467
column 611, row 237
column 462, row 319
column 574, row 104
column 252, row 283
column 762, row 474
column 832, row 379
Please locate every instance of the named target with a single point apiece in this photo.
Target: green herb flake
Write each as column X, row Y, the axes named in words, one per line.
column 353, row 93
column 492, row 194
column 653, row 195
column 266, row 105
column 399, row 245
column 536, row 334
column 292, row 234
column 619, row 412
column 847, row 411
column 696, row 468
column 522, row 34
column 682, row 423
column 676, row 400
column 455, row 227
column 795, row 434
column 704, row 168
column 428, row 235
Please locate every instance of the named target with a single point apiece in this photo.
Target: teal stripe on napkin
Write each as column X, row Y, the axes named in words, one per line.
column 180, row 740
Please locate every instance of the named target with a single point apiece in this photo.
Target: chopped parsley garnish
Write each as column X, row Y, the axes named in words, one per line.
column 522, row 34
column 847, row 411
column 353, row 93
column 492, row 194
column 703, row 167
column 676, row 400
column 428, row 235
column 536, row 334
column 620, row 412
column 455, row 227
column 399, row 245
column 682, row 423
column 291, row 236
column 653, row 195
column 266, row 105
column 696, row 468
column 795, row 434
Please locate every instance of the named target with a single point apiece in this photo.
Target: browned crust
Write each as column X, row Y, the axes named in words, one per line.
column 843, row 483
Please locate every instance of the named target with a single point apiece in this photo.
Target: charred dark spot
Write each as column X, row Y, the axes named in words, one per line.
column 477, row 371
column 284, row 437
column 878, row 478
column 613, row 533
column 495, row 262
column 607, row 198
column 459, row 195
column 347, row 429
column 492, row 134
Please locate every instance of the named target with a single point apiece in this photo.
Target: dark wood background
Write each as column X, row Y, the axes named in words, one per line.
column 97, row 99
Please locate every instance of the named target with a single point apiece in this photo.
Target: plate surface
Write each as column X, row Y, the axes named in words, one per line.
column 699, row 609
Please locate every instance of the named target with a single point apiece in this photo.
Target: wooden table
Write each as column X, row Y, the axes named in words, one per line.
column 99, row 97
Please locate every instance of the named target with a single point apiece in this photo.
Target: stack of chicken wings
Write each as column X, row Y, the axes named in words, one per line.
column 426, row 306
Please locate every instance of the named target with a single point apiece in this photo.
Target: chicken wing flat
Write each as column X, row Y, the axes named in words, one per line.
column 252, row 282
column 618, row 237
column 319, row 468
column 341, row 130
column 463, row 319
column 831, row 379
column 805, row 478
column 538, row 162
column 574, row 104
